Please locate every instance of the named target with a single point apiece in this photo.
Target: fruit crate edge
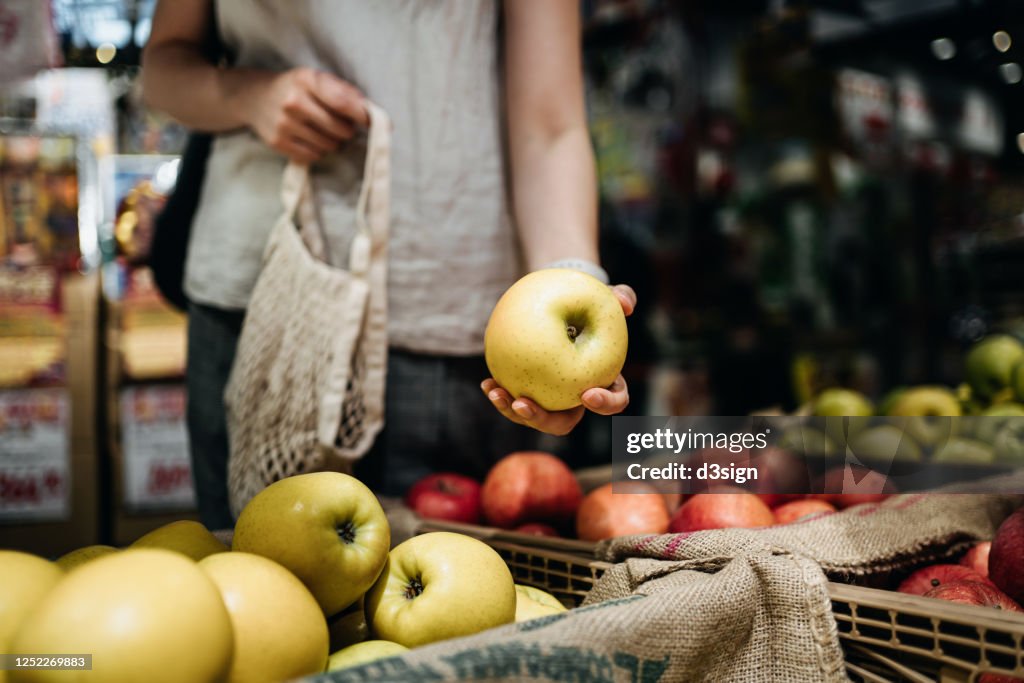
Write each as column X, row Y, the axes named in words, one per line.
column 885, row 635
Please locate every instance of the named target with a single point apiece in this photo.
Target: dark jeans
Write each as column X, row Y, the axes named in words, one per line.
column 436, row 417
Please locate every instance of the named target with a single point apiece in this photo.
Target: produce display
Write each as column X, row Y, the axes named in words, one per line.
column 970, row 424
column 309, row 584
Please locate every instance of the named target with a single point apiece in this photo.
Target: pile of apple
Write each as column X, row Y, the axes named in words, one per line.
column 990, row 574
column 310, row 584
column 994, row 391
column 534, row 492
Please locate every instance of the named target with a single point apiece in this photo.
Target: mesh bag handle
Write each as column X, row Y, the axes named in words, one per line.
column 367, row 259
column 306, row 391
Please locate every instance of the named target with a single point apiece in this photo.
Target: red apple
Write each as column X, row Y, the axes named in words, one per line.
column 974, row 593
column 529, row 486
column 673, row 501
column 774, row 500
column 853, row 485
column 779, row 474
column 632, row 508
column 998, row 678
column 928, row 578
column 1006, row 559
column 537, row 529
column 977, row 558
column 798, row 509
column 447, row 496
column 721, row 511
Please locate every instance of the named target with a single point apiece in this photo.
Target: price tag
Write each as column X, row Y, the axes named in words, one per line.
column 35, row 467
column 154, row 440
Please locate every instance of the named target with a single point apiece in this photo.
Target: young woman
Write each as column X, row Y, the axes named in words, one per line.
column 492, row 176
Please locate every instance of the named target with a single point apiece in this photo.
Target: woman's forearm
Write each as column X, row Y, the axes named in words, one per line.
column 552, row 163
column 554, row 196
column 178, row 80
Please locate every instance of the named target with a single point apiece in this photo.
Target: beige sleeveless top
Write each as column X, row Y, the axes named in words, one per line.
column 432, row 65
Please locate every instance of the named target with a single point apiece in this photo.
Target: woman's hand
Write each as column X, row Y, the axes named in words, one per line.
column 304, row 113
column 604, row 401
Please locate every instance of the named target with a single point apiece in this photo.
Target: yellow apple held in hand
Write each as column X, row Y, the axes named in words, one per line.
column 143, row 614
column 24, row 580
column 280, row 632
column 327, row 528
column 70, row 560
column 185, row 536
column 533, row 602
column 554, row 334
column 437, row 586
column 364, row 653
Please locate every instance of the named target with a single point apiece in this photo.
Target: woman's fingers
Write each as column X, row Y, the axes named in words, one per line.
column 626, row 297
column 526, row 412
column 341, row 98
column 610, row 401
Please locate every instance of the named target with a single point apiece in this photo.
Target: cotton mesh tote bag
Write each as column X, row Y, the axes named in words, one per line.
column 306, row 391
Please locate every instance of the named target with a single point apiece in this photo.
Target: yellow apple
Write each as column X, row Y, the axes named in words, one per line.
column 24, row 580
column 533, row 602
column 143, row 614
column 327, row 528
column 437, row 586
column 185, row 536
column 280, row 632
column 554, row 334
column 348, row 627
column 70, row 560
column 364, row 653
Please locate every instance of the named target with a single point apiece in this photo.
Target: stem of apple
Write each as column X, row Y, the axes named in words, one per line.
column 413, row 588
column 347, row 532
column 571, row 331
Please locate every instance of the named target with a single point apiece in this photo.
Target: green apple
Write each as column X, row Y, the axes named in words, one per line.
column 437, row 586
column 889, row 400
column 533, row 602
column 1017, row 381
column 990, row 363
column 327, row 528
column 928, row 411
column 925, row 401
column 554, row 334
column 280, row 632
column 963, row 450
column 807, row 442
column 349, row 626
column 24, row 580
column 990, row 421
column 1009, row 441
column 144, row 614
column 836, row 406
column 838, row 402
column 364, row 653
column 69, row 561
column 188, row 537
column 886, row 443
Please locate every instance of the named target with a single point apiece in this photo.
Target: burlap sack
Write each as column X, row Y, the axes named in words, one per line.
column 763, row 617
column 865, row 541
column 724, row 605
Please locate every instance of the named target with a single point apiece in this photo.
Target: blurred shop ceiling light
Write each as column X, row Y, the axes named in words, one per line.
column 1011, row 72
column 943, row 48
column 1002, row 40
column 105, row 53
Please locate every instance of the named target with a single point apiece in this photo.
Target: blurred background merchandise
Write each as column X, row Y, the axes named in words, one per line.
column 804, row 195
